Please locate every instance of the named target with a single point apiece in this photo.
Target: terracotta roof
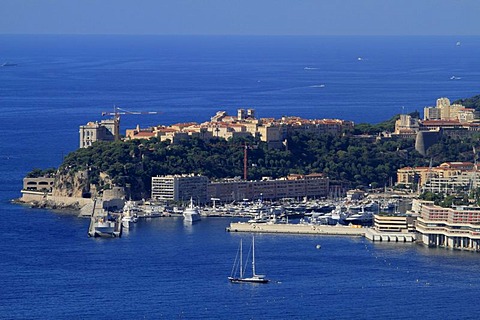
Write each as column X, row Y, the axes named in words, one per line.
column 185, row 124
column 144, row 134
column 440, row 122
column 166, row 130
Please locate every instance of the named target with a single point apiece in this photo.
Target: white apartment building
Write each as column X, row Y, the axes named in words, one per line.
column 180, row 188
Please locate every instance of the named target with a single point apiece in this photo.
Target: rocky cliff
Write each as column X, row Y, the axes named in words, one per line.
column 71, row 184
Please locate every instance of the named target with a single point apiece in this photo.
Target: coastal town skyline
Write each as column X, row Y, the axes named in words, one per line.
column 267, row 17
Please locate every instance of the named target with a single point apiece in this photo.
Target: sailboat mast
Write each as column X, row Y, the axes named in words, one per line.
column 253, row 256
column 241, row 259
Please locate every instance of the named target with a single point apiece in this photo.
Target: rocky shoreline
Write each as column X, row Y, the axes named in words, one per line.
column 48, row 204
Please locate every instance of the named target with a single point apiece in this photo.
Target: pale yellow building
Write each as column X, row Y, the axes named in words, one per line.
column 105, row 130
column 421, row 176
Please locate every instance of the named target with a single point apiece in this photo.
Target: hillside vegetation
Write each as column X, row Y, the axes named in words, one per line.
column 473, row 102
column 355, row 159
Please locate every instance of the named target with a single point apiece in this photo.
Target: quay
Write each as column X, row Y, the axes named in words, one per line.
column 369, row 233
column 296, row 229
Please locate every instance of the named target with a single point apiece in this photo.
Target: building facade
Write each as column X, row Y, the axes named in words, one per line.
column 293, row 186
column 42, row 184
column 453, row 228
column 180, row 188
column 105, row 130
column 448, row 176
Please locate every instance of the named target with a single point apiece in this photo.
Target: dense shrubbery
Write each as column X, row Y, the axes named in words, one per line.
column 461, row 198
column 35, row 173
column 473, row 102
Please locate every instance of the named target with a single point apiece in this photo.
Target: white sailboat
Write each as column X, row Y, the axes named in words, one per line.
column 238, row 269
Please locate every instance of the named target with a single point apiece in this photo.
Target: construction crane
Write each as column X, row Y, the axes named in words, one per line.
column 115, row 127
column 118, row 111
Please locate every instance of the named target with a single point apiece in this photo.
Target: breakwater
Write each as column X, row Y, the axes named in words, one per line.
column 296, row 229
column 39, row 199
column 337, row 230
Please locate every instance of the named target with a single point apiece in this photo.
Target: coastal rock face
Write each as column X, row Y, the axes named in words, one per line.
column 69, row 184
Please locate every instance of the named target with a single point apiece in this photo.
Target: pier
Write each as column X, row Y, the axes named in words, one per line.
column 375, row 235
column 369, row 233
column 100, row 226
column 296, row 229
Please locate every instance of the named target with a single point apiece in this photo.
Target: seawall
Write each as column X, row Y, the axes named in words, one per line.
column 47, row 200
column 296, row 229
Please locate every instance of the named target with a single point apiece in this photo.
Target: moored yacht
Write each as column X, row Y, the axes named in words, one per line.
column 191, row 213
column 129, row 214
column 104, row 228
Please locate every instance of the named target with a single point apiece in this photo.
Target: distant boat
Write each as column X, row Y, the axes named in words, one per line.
column 455, row 78
column 458, row 43
column 359, row 58
column 191, row 214
column 239, row 270
column 8, row 64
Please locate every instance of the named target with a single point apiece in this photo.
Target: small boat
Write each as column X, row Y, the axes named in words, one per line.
column 191, row 213
column 8, row 64
column 239, row 270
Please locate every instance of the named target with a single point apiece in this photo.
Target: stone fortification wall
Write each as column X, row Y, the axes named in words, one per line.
column 425, row 139
column 42, row 200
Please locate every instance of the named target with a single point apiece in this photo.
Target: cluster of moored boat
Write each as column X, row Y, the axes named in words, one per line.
column 105, row 224
column 315, row 212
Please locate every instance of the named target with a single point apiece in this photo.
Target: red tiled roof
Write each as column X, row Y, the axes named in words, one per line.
column 144, row 134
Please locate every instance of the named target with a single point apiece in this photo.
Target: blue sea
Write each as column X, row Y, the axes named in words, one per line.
column 162, row 269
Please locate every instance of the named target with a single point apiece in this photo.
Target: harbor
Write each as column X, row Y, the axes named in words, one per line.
column 313, row 217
